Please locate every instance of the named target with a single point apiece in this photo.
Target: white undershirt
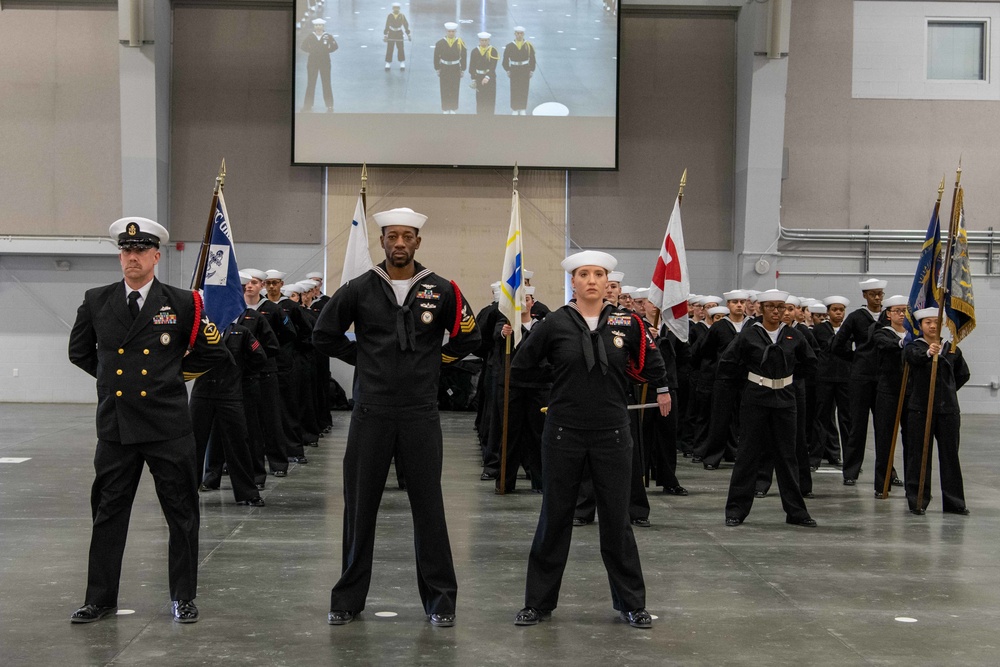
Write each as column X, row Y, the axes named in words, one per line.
column 527, row 325
column 592, row 322
column 773, row 335
column 873, row 313
column 255, row 306
column 737, row 325
column 401, row 288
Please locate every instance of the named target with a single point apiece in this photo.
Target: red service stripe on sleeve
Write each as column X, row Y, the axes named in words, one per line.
column 256, row 344
column 458, row 310
column 198, row 307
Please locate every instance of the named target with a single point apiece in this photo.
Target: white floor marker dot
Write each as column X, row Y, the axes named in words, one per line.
column 125, row 612
column 386, row 614
column 906, row 619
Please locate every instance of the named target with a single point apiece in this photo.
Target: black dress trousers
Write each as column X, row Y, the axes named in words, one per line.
column 565, row 452
column 862, row 403
column 119, row 467
column 945, row 430
column 413, row 435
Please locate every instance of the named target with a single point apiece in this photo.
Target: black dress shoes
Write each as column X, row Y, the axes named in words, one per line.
column 260, row 486
column 964, row 511
column 340, row 617
column 203, row 488
column 807, row 522
column 850, row 482
column 641, row 523
column 733, row 521
column 760, row 494
column 577, row 522
column 442, row 620
column 709, row 466
column 879, row 495
column 675, row 490
column 918, row 511
column 531, row 616
column 89, row 613
column 185, row 611
column 836, row 463
column 281, row 473
column 486, row 476
column 313, row 443
column 638, row 618
column 253, row 502
column 697, row 459
column 895, row 481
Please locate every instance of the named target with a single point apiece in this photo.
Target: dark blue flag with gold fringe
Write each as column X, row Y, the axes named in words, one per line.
column 925, row 291
column 959, row 304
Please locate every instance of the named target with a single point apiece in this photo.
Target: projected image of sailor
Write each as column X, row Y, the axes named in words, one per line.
column 542, row 59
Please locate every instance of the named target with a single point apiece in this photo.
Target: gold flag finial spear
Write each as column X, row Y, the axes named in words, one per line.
column 958, row 174
column 220, row 180
column 515, row 176
column 941, row 189
column 684, row 180
column 364, row 176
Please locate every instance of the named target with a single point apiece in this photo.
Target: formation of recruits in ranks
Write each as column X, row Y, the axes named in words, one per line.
column 602, row 396
column 772, row 404
column 264, row 409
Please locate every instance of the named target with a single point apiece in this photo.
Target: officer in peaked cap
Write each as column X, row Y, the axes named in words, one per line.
column 141, row 340
column 401, row 311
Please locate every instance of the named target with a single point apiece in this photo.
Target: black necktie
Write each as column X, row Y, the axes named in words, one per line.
column 133, row 304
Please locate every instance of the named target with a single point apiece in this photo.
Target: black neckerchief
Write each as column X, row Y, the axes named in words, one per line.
column 592, row 339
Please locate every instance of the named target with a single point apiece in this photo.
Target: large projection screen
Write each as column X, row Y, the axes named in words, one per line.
column 549, row 100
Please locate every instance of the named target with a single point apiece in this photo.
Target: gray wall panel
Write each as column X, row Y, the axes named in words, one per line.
column 232, row 99
column 677, row 110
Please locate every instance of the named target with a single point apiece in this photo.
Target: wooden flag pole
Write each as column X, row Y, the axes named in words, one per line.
column 501, row 487
column 902, row 385
column 952, row 228
column 198, row 279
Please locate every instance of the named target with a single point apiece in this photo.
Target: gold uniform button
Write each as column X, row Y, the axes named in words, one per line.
column 118, row 393
column 143, row 371
column 145, row 351
column 121, row 350
column 119, row 371
column 142, row 393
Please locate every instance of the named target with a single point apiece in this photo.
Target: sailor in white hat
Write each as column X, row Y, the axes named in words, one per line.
column 888, row 340
column 483, row 69
column 817, row 314
column 805, row 396
column 278, row 336
column 946, row 421
column 854, row 342
column 519, row 63
column 450, row 60
column 597, row 351
column 832, row 422
column 614, row 288
column 763, row 360
column 401, row 312
column 723, row 427
column 319, row 44
column 395, row 26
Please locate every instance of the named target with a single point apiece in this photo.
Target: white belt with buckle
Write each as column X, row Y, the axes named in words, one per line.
column 779, row 383
column 450, row 62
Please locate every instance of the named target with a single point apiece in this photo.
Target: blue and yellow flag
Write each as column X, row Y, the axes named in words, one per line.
column 959, row 305
column 926, row 292
column 511, row 279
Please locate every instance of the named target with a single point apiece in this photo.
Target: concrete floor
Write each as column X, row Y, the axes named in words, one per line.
column 764, row 593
